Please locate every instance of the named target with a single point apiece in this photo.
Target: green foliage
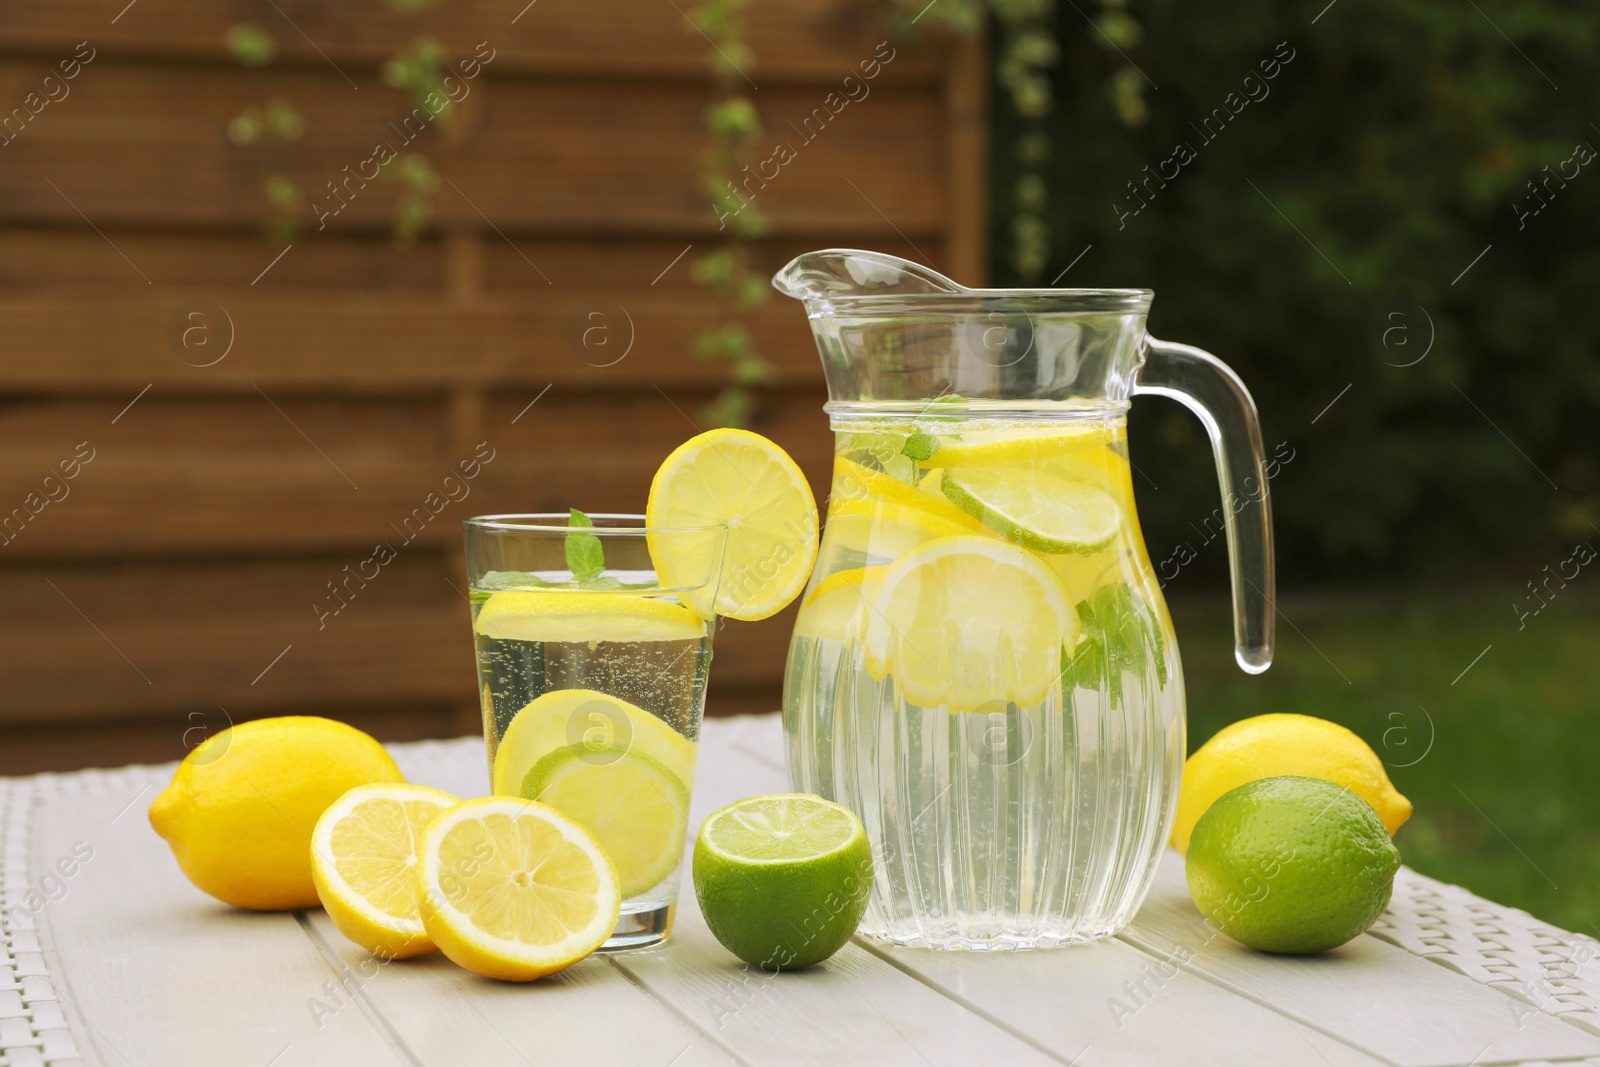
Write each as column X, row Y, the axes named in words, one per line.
column 417, row 70
column 1395, row 146
column 418, row 182
column 250, row 44
column 420, row 71
column 735, row 128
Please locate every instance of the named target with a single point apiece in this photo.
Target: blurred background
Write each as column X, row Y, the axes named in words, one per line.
column 272, row 271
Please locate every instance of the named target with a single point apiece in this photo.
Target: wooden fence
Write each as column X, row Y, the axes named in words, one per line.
column 203, row 431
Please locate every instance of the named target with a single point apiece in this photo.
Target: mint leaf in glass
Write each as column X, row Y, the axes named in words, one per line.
column 586, row 557
column 920, row 446
column 513, row 580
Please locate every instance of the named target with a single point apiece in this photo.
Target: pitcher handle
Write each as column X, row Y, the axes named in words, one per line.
column 1206, row 386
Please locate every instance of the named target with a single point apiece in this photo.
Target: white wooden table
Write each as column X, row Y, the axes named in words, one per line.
column 122, row 962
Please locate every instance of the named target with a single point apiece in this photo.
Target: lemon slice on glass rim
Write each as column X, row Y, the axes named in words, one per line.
column 746, row 484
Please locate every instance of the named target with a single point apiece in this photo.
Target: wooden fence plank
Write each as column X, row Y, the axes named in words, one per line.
column 792, row 39
column 380, row 344
column 572, row 156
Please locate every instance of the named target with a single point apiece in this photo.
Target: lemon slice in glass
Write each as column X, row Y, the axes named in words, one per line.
column 583, row 617
column 364, row 865
column 597, row 721
column 1037, row 506
column 964, row 622
column 513, row 889
column 636, row 808
column 744, row 482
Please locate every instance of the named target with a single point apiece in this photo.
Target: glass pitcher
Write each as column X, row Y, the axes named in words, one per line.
column 983, row 668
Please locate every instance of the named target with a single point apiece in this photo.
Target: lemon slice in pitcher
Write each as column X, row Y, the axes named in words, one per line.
column 836, row 607
column 1037, row 506
column 743, row 482
column 968, row 621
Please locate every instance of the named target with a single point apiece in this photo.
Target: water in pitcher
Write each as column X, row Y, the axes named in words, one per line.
column 984, row 670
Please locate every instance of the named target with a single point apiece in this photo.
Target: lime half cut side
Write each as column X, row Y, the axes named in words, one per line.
column 1037, row 507
column 783, row 880
column 784, row 828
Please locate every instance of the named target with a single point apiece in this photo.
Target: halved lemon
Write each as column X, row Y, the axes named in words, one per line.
column 836, row 608
column 364, row 864
column 636, row 808
column 744, row 482
column 583, row 617
column 965, row 622
column 597, row 721
column 882, row 530
column 855, row 483
column 513, row 889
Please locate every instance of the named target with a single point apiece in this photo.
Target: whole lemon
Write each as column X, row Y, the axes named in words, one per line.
column 1292, row 865
column 241, row 807
column 1270, row 745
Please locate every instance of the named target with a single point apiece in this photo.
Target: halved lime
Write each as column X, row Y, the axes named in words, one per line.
column 577, row 616
column 596, row 721
column 636, row 808
column 1037, row 507
column 783, row 880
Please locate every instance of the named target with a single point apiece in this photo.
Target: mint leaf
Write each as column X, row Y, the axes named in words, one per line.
column 513, row 580
column 1120, row 634
column 920, row 446
column 586, row 557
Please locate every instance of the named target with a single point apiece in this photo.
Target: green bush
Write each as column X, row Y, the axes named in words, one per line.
column 1384, row 155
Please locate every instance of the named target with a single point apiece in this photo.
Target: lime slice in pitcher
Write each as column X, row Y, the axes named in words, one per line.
column 1037, row 507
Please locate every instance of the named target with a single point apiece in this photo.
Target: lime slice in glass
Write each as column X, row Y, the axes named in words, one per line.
column 636, row 808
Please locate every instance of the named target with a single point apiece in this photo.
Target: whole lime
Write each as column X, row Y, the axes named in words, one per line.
column 783, row 880
column 1292, row 865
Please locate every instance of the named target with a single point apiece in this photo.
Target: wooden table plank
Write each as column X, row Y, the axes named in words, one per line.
column 1112, row 1004
column 852, row 1009
column 155, row 971
column 151, row 971
column 1397, row 1006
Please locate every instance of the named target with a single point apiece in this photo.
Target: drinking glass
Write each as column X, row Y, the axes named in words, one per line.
column 592, row 677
